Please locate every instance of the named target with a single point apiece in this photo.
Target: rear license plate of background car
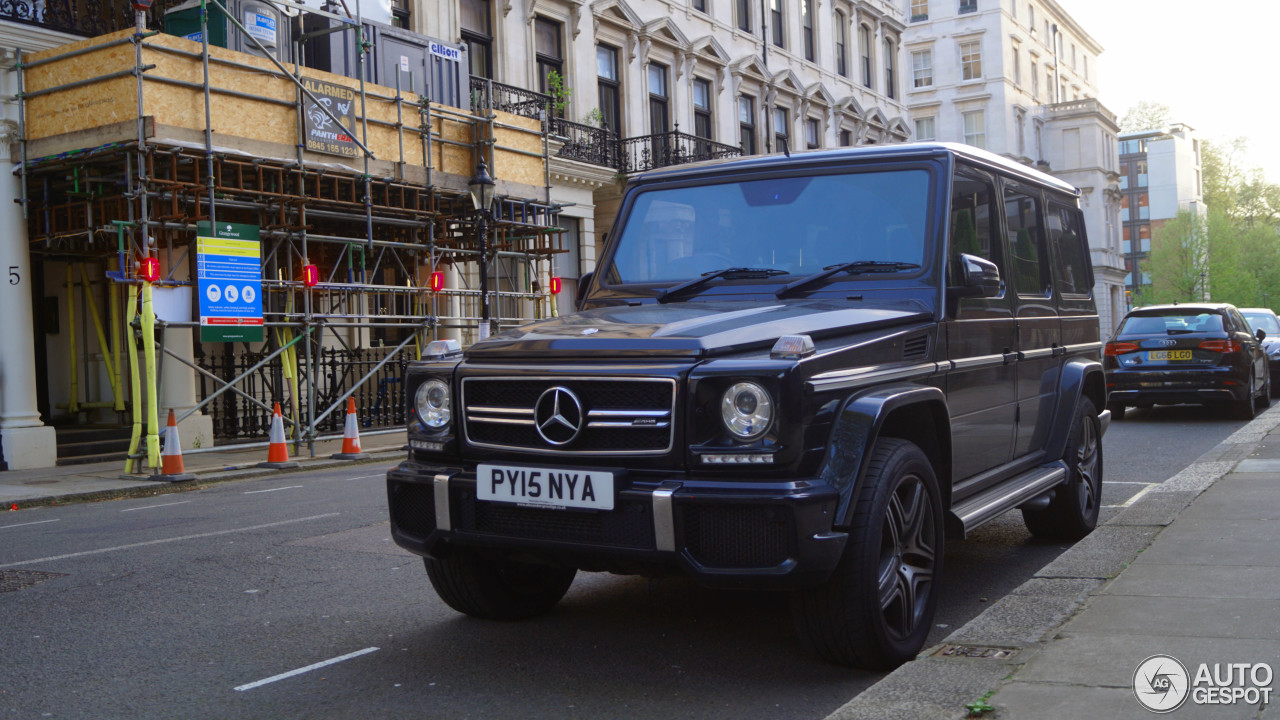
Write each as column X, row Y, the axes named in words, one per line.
column 1166, row 355
column 545, row 487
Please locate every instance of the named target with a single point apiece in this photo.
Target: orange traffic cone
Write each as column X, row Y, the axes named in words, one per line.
column 171, row 468
column 351, row 436
column 278, row 452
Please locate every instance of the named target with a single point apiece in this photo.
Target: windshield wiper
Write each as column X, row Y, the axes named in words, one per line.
column 853, row 267
column 684, row 288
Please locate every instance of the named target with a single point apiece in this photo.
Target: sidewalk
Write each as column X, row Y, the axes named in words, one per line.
column 1191, row 570
column 29, row 488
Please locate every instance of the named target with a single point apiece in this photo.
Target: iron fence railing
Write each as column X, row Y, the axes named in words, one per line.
column 80, row 17
column 507, row 98
column 587, row 143
column 647, row 152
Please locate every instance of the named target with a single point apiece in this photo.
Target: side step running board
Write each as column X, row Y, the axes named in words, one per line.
column 990, row 503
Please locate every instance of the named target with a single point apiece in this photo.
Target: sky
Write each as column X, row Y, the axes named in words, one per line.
column 1210, row 62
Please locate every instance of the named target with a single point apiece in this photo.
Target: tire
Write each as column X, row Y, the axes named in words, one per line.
column 1247, row 408
column 1264, row 397
column 1073, row 511
column 1271, row 383
column 1117, row 411
column 492, row 587
column 876, row 610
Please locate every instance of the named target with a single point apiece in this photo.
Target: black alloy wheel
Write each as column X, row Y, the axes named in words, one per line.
column 1247, row 408
column 877, row 609
column 1073, row 511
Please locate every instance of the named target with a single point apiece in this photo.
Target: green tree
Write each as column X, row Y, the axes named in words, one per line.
column 1146, row 115
column 1236, row 189
column 1178, row 263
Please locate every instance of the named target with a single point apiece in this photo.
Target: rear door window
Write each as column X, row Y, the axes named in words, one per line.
column 1066, row 240
column 1029, row 264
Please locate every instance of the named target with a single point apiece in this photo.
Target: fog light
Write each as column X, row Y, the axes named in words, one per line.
column 426, row 445
column 738, row 459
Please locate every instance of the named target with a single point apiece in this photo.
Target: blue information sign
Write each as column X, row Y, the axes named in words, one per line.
column 229, row 281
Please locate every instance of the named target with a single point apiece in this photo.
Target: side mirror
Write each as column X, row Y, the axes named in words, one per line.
column 581, row 293
column 1261, row 334
column 978, row 277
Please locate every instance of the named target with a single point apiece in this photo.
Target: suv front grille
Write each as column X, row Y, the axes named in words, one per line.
column 630, row 525
column 611, row 416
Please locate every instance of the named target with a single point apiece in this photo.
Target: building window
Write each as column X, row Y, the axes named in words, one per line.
column 477, row 35
column 609, row 89
column 970, row 60
column 1035, row 82
column 1031, row 17
column 925, row 129
column 842, row 37
column 659, row 108
column 806, row 16
column 702, row 108
column 781, row 123
column 401, row 14
column 922, row 68
column 968, row 6
column 811, row 133
column 1020, row 124
column 747, row 124
column 864, row 47
column 775, row 21
column 744, row 15
column 700, row 5
column 846, row 138
column 889, row 56
column 1017, row 67
column 975, row 128
column 919, row 10
column 550, row 55
column 1086, row 67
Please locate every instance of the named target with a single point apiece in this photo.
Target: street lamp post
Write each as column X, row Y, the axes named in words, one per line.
column 481, row 188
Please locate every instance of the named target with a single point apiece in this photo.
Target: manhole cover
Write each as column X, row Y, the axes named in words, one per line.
column 977, row 651
column 11, row 580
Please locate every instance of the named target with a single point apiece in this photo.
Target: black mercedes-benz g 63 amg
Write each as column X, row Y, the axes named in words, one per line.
column 799, row 373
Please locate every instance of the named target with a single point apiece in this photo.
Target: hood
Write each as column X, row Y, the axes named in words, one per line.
column 693, row 330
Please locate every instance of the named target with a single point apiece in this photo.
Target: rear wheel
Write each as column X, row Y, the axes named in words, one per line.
column 1117, row 411
column 1246, row 409
column 497, row 588
column 1073, row 512
column 876, row 610
column 1264, row 397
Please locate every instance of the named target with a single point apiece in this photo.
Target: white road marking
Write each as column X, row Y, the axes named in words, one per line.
column 1134, row 498
column 130, row 546
column 37, row 522
column 366, row 477
column 255, row 492
column 309, row 668
column 148, row 507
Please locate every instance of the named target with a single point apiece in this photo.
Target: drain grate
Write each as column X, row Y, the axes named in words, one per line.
column 976, row 651
column 11, row 580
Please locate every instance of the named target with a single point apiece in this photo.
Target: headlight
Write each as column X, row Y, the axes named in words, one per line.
column 433, row 404
column 747, row 410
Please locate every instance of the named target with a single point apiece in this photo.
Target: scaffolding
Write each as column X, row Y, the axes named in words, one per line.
column 125, row 150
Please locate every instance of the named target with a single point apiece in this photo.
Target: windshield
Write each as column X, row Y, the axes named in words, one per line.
column 1263, row 321
column 1171, row 324
column 798, row 225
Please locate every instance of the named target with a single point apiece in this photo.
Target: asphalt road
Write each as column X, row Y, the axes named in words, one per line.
column 284, row 598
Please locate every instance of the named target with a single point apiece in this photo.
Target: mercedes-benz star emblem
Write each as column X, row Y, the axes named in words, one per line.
column 558, row 415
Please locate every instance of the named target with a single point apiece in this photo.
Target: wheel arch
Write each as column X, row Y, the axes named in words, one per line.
column 910, row 412
column 1080, row 378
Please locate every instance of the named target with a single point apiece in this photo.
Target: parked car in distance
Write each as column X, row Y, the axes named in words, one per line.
column 799, row 373
column 1265, row 319
column 1202, row 353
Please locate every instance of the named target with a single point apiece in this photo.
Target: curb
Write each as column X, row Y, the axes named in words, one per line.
column 942, row 679
column 203, row 478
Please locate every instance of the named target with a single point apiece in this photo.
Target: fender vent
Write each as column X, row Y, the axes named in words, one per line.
column 915, row 348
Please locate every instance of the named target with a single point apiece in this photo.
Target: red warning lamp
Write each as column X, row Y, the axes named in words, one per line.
column 437, row 281
column 556, row 286
column 150, row 269
column 310, row 275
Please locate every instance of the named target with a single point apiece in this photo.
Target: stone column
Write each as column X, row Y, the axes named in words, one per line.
column 28, row 442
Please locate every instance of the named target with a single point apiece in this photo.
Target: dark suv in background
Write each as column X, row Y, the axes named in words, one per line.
column 1202, row 353
column 800, row 373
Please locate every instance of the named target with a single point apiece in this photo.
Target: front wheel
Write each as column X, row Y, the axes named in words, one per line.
column 493, row 587
column 876, row 610
column 1073, row 512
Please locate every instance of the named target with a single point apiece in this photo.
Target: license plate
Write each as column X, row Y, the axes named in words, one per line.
column 1166, row 355
column 545, row 487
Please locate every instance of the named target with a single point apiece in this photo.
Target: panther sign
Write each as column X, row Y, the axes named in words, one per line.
column 322, row 133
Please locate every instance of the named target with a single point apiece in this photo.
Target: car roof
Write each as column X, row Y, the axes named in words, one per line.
column 903, row 151
column 1262, row 311
column 1184, row 307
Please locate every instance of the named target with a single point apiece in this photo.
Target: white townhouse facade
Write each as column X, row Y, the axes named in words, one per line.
column 1019, row 78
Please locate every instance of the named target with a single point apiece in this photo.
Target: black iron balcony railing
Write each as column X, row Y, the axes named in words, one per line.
column 648, row 152
column 587, row 143
column 507, row 98
column 80, row 17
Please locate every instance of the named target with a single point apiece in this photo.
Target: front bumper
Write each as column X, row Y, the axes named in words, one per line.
column 1205, row 386
column 772, row 534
